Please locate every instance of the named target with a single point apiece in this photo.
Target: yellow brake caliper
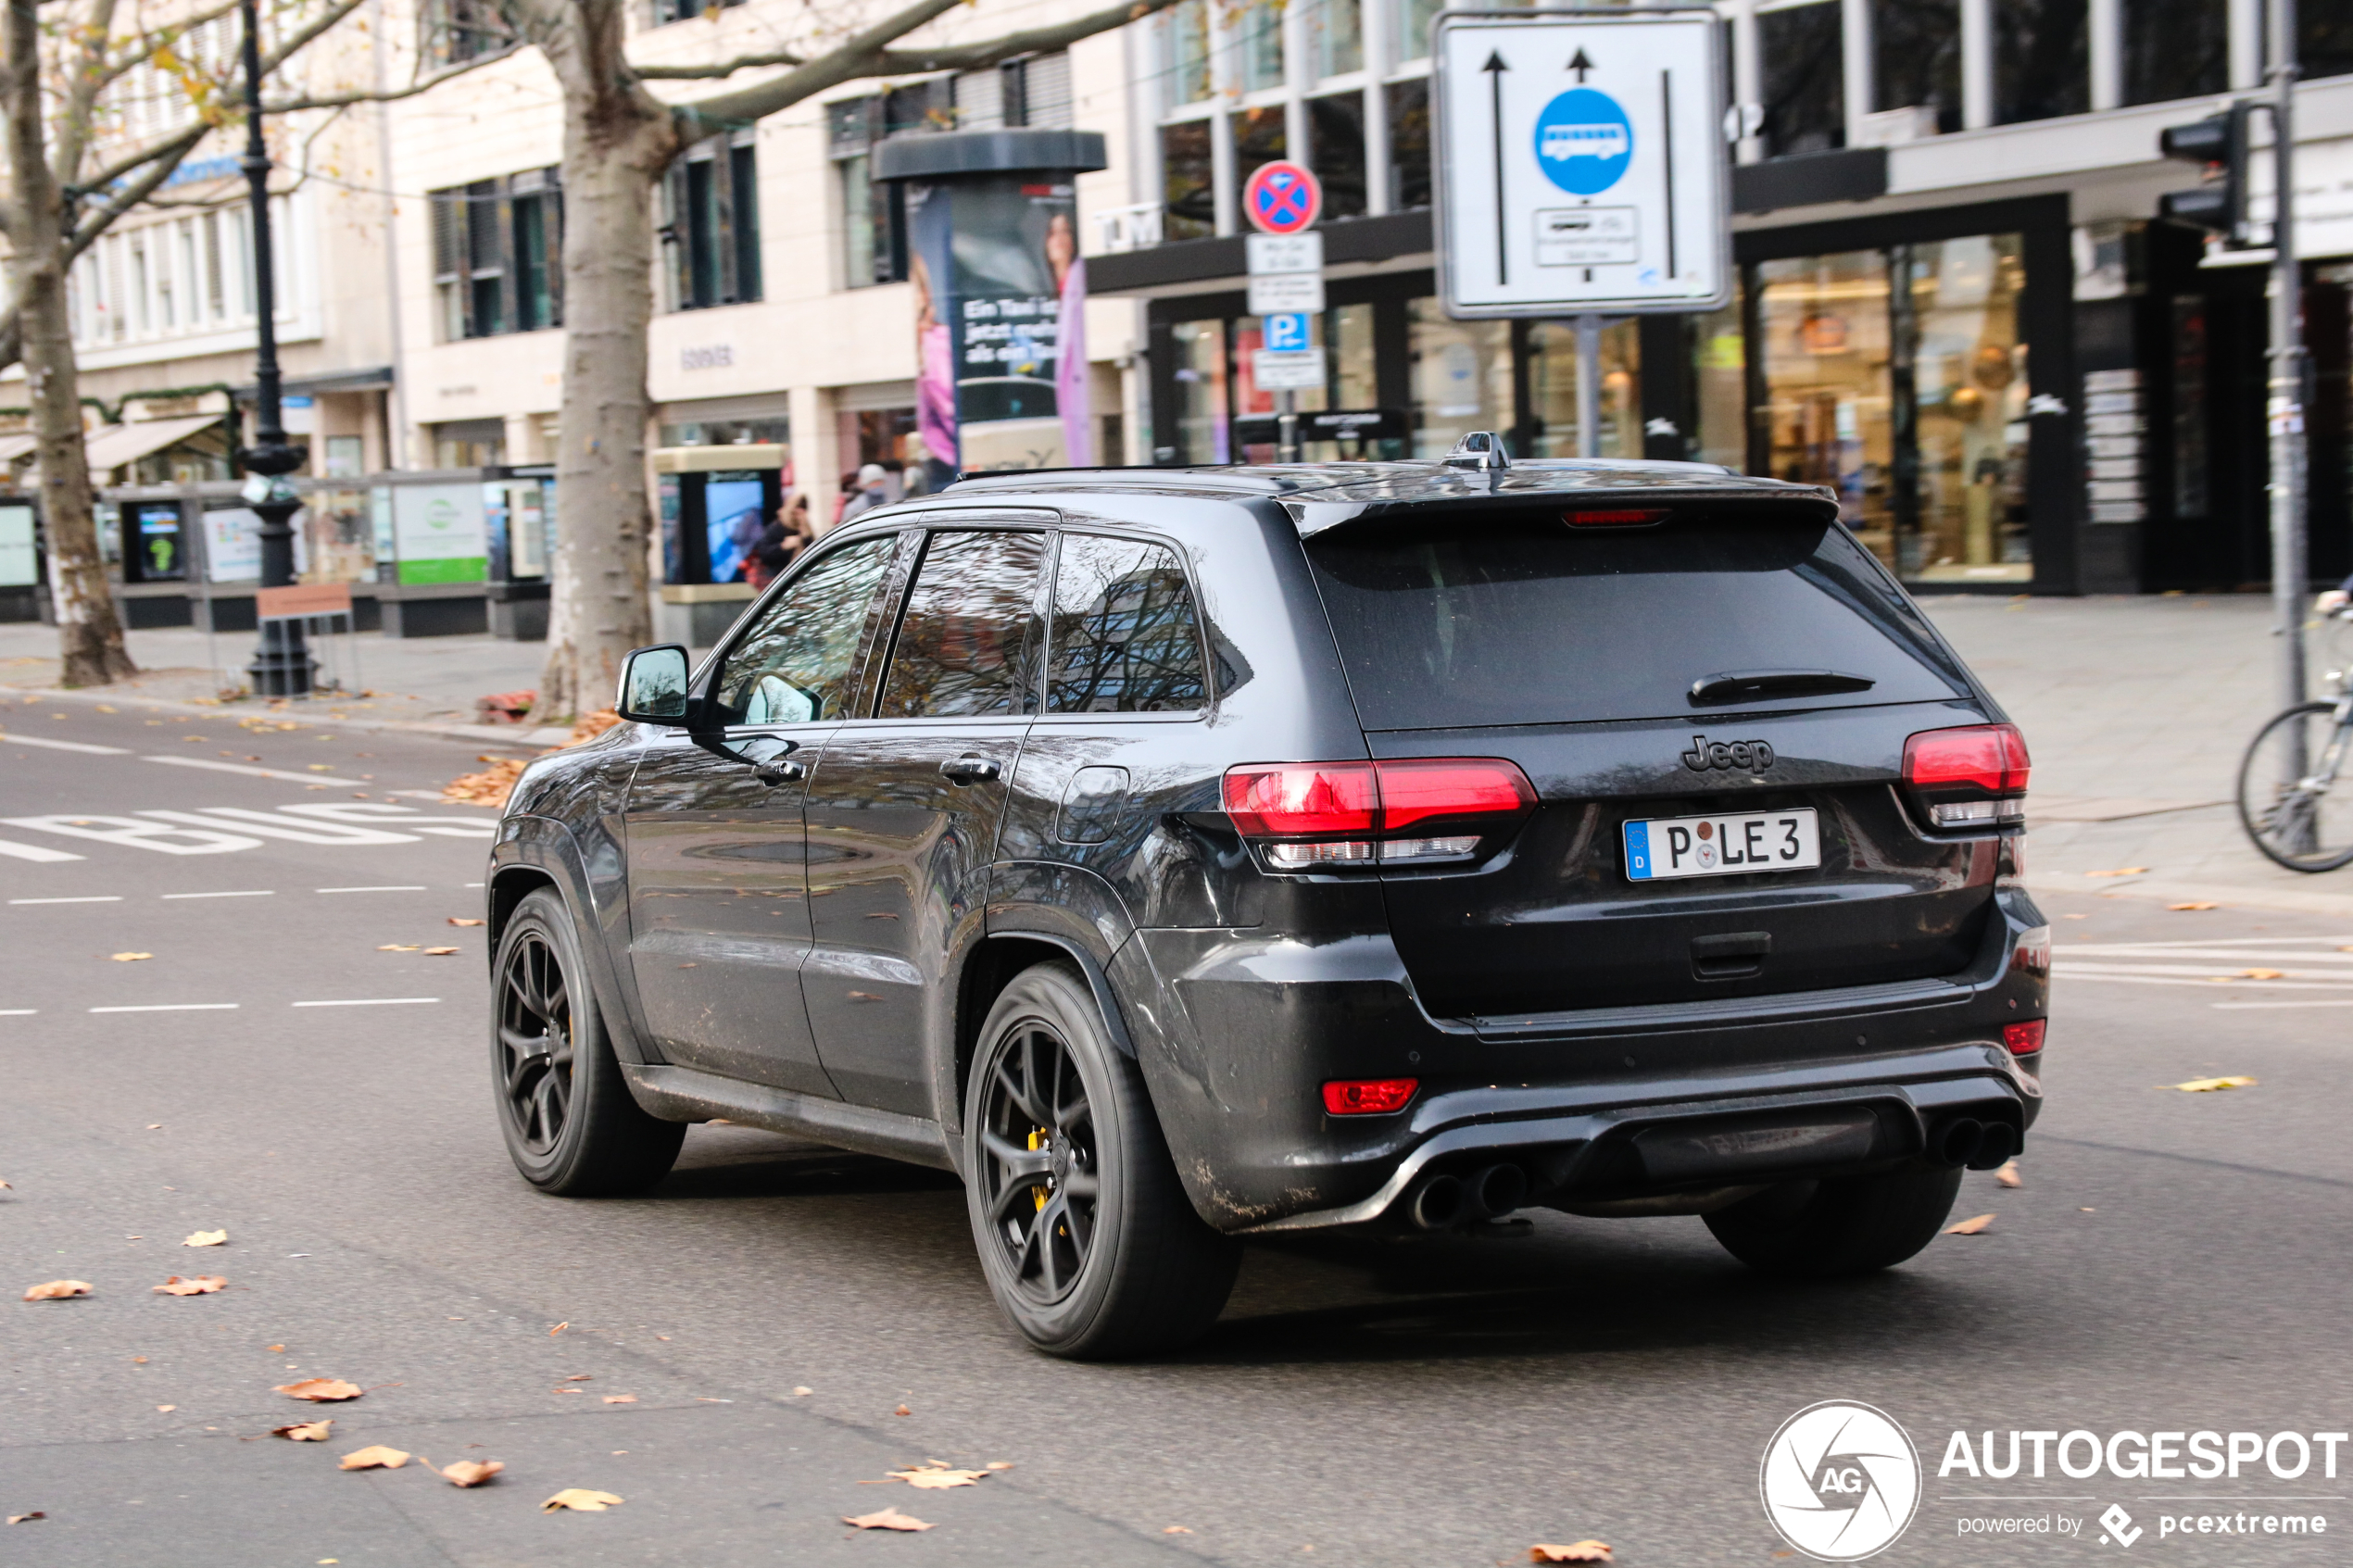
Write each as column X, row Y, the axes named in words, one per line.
column 1037, row 1140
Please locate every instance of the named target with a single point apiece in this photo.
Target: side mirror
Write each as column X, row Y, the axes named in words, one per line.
column 653, row 685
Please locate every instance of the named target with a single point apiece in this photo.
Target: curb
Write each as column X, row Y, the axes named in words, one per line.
column 2286, row 900
column 473, row 735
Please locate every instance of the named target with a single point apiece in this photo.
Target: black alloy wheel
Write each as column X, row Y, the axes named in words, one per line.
column 1042, row 1179
column 535, row 1042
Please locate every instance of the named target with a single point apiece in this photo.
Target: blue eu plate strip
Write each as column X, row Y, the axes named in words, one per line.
column 1638, row 851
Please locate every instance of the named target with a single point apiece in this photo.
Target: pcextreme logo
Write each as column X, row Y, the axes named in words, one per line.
column 1841, row 1481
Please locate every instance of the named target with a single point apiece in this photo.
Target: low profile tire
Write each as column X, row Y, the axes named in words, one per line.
column 570, row 1123
column 1088, row 1239
column 1828, row 1230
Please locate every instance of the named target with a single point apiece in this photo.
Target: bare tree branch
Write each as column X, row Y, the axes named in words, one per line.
column 175, row 146
column 85, row 234
column 855, row 58
column 1036, row 41
column 709, row 73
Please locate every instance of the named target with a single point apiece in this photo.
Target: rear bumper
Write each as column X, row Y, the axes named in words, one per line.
column 1236, row 1031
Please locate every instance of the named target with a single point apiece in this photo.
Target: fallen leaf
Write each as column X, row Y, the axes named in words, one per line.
column 489, row 788
column 439, row 952
column 2007, row 1175
column 2261, row 974
column 166, row 1410
column 887, row 1519
column 157, row 1127
column 621, row 1398
column 5, row 1186
column 130, row 958
column 26, row 1518
column 57, row 1290
column 138, row 1361
column 1977, row 1226
column 580, row 1499
column 1576, row 1552
column 399, row 948
column 207, row 1238
column 276, row 1350
column 932, row 1477
column 2121, row 870
column 1175, row 1530
column 470, row 1473
column 560, row 1327
column 797, row 1393
column 202, row 1285
column 581, row 1377
column 2208, row 1085
column 455, row 919
column 303, row 1431
column 1001, row 1464
column 374, row 1456
column 320, row 1390
column 2194, row 906
column 903, row 1410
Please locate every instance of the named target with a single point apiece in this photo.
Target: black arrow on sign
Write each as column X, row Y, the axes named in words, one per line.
column 1580, row 65
column 1495, row 67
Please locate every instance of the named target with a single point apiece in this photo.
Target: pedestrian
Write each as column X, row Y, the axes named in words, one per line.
column 779, row 544
column 872, row 491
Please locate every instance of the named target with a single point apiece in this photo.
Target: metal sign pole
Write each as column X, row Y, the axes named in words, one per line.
column 2285, row 400
column 1286, row 426
column 1589, row 385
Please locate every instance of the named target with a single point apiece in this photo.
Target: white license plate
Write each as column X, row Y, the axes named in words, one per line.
column 1659, row 847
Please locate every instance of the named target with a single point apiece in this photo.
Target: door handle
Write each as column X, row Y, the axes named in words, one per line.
column 968, row 769
column 782, row 770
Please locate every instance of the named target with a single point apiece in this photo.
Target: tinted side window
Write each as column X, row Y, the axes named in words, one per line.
column 799, row 661
column 1124, row 636
column 962, row 643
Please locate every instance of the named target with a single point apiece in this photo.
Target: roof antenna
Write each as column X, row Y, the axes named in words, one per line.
column 1479, row 449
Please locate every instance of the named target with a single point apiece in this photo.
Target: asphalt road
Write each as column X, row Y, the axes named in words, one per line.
column 2174, row 1261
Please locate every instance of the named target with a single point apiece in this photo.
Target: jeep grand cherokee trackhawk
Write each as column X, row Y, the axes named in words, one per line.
column 1183, row 855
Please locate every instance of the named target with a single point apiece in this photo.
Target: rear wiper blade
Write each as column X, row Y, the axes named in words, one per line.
column 1749, row 685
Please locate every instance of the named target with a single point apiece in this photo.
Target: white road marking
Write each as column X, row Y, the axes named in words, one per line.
column 249, row 892
column 270, row 825
column 33, row 852
column 94, row 899
column 2245, row 1006
column 174, row 1007
column 65, row 745
column 239, row 767
column 371, row 1002
column 417, row 888
column 138, row 835
column 18, row 1013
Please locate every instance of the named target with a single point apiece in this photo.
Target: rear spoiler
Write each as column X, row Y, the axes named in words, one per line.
column 1312, row 516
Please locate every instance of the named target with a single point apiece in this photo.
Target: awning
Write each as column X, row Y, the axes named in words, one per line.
column 110, row 448
column 15, row 447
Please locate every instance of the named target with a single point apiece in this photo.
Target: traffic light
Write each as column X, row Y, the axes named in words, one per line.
column 2219, row 143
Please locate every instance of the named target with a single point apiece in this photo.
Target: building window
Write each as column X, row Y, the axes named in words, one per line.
column 1408, row 104
column 1188, row 184
column 1188, row 36
column 2176, row 49
column 1202, row 429
column 1409, row 27
column 1335, row 151
column 2041, row 65
column 470, row 444
column 2324, row 38
column 661, row 13
column 1804, row 80
column 495, row 249
column 1552, row 390
column 1335, row 38
column 711, row 223
column 455, row 31
column 1460, row 374
column 1258, row 39
column 873, row 213
column 1917, row 49
column 1258, row 138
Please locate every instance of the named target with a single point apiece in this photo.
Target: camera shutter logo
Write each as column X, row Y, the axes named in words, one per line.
column 1841, row 1481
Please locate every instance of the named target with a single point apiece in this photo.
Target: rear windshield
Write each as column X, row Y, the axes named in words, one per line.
column 1446, row 623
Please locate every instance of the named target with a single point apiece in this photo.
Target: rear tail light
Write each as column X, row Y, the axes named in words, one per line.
column 1369, row 1097
column 1619, row 517
column 1309, row 815
column 2024, row 1040
column 1972, row 777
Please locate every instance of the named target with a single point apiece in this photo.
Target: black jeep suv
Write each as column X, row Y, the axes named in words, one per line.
column 1184, row 855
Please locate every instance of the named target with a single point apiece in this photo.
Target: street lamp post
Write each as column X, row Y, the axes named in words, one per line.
column 281, row 666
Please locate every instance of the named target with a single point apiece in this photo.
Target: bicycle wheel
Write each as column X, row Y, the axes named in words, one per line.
column 2292, row 801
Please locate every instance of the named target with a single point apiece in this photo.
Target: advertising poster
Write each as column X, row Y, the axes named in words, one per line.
column 157, row 550
column 735, row 512
column 440, row 532
column 1000, row 324
column 233, row 543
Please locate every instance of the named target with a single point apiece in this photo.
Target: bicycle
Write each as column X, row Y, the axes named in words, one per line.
column 2288, row 773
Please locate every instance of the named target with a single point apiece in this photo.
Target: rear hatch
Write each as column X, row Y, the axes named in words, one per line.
column 1740, row 673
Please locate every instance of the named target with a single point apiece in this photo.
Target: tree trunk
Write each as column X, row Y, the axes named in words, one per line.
column 617, row 142
column 89, row 633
